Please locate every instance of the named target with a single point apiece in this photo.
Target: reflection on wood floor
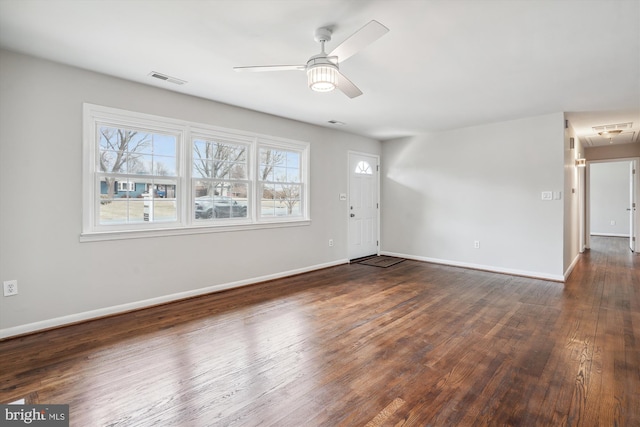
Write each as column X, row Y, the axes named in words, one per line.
column 414, row 344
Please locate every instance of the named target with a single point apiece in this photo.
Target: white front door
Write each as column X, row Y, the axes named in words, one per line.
column 363, row 205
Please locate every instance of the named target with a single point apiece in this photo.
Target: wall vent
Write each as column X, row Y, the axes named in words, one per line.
column 166, row 78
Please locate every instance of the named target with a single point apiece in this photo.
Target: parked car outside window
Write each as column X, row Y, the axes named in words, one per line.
column 219, row 207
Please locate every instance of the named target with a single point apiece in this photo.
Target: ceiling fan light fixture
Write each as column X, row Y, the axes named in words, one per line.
column 322, row 77
column 610, row 133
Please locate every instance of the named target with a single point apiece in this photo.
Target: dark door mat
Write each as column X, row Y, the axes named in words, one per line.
column 381, row 261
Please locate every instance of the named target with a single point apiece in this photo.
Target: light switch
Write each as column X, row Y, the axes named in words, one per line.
column 343, row 196
column 547, row 195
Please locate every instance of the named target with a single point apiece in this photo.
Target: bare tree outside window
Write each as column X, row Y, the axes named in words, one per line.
column 268, row 159
column 280, row 177
column 120, row 150
column 218, row 161
column 289, row 195
column 220, row 180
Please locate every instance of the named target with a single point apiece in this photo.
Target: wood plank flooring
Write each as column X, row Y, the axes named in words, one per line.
column 415, row 344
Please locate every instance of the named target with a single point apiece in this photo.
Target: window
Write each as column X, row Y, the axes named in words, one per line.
column 147, row 175
column 280, row 183
column 126, row 186
column 129, row 163
column 221, row 186
column 363, row 168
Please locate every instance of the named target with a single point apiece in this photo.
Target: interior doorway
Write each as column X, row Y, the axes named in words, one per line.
column 612, row 197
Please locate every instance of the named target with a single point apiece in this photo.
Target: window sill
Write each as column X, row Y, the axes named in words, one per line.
column 182, row 231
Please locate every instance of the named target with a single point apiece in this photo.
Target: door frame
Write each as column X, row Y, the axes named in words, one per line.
column 587, row 207
column 377, row 178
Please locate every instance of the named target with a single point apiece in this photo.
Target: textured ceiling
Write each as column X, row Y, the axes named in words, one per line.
column 443, row 64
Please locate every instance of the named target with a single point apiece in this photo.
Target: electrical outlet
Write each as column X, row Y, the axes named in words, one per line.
column 330, row 242
column 476, row 244
column 10, row 288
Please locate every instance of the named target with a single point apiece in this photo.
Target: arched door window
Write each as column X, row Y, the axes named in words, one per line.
column 363, row 168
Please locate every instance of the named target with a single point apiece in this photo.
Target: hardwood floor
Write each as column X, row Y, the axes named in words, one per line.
column 414, row 344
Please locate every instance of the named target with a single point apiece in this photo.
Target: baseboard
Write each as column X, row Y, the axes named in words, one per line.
column 492, row 269
column 123, row 308
column 571, row 267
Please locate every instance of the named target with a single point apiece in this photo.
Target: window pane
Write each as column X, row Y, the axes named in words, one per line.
column 219, row 160
column 218, row 199
column 107, row 162
column 279, row 174
column 238, row 170
column 293, row 175
column 139, row 164
column 121, row 211
column 269, row 159
column 113, row 211
column 293, row 159
column 161, row 210
column 164, row 166
column 130, row 151
column 164, row 145
column 208, row 188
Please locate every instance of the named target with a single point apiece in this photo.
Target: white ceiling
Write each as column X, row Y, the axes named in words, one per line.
column 443, row 65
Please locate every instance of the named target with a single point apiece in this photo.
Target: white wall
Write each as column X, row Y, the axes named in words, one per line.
column 574, row 200
column 62, row 280
column 614, row 151
column 443, row 191
column 609, row 198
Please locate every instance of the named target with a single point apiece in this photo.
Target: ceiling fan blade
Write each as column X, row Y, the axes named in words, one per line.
column 261, row 68
column 359, row 40
column 347, row 87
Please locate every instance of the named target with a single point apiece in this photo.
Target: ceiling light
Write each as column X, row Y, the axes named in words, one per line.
column 322, row 77
column 610, row 133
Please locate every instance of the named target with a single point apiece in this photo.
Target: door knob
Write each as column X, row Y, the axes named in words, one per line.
column 352, row 215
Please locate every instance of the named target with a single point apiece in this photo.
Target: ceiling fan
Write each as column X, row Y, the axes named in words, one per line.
column 323, row 73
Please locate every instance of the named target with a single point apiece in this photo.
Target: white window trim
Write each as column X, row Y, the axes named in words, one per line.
column 184, row 131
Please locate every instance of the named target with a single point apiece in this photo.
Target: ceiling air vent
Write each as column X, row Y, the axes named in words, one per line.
column 166, row 78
